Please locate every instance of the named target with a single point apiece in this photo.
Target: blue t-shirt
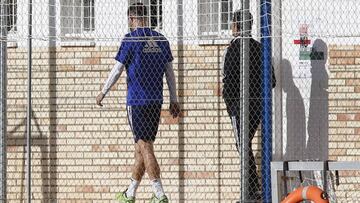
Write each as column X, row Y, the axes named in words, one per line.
column 145, row 53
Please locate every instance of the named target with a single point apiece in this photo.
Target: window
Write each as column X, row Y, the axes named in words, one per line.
column 77, row 17
column 11, row 15
column 156, row 14
column 154, row 8
column 88, row 15
column 214, row 17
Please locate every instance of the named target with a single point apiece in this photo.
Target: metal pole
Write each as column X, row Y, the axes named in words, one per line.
column 28, row 126
column 3, row 71
column 244, row 101
column 180, row 82
column 267, row 99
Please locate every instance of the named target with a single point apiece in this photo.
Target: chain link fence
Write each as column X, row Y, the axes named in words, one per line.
column 317, row 54
column 214, row 150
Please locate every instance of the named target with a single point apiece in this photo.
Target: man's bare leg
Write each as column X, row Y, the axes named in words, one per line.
column 138, row 169
column 138, row 172
column 152, row 167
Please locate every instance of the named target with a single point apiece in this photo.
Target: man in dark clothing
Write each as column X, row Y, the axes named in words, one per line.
column 231, row 95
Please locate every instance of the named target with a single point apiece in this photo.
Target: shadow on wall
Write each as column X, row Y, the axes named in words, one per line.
column 38, row 140
column 318, row 122
column 295, row 115
column 52, row 173
column 47, row 142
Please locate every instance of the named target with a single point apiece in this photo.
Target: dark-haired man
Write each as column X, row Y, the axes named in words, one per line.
column 146, row 56
column 231, row 94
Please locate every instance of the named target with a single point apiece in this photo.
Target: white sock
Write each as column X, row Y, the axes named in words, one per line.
column 131, row 191
column 158, row 188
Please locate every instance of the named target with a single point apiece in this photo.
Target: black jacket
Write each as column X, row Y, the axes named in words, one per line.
column 231, row 71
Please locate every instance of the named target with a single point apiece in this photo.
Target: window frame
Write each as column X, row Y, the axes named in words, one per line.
column 220, row 33
column 85, row 33
column 12, row 23
column 12, row 16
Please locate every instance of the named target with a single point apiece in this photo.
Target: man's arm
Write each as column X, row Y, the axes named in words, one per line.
column 170, row 80
column 112, row 79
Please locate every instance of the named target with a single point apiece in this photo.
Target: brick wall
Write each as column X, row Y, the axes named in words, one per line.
column 344, row 116
column 83, row 152
column 344, row 107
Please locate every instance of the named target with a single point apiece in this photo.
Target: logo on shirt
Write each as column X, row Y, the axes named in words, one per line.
column 151, row 47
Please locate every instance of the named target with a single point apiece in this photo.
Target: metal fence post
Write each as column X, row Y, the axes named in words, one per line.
column 29, row 114
column 267, row 106
column 244, row 101
column 3, row 56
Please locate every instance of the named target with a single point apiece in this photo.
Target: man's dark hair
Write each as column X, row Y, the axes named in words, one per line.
column 237, row 18
column 137, row 10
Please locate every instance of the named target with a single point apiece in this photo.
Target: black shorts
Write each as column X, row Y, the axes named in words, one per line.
column 144, row 121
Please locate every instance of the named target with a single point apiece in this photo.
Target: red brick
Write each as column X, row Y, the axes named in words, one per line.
column 351, row 82
column 344, row 117
column 61, row 128
column 188, row 175
column 96, row 148
column 357, row 117
column 337, row 54
column 357, row 131
column 197, row 175
column 85, row 189
column 357, row 89
column 91, row 61
column 114, row 148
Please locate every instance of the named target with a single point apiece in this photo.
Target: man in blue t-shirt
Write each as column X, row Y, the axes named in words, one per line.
column 146, row 56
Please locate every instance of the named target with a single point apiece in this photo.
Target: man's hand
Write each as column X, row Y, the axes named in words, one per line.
column 174, row 109
column 99, row 99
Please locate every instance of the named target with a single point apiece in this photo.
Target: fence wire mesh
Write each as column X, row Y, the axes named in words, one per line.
column 82, row 152
column 317, row 54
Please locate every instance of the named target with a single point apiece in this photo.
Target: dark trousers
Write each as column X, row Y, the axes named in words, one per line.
column 233, row 109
